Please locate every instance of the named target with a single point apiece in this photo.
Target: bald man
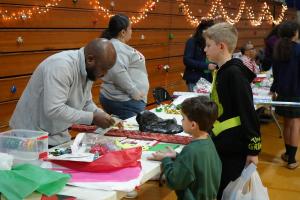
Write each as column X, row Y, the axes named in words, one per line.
column 59, row 92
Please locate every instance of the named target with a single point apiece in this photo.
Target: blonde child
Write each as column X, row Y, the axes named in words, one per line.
column 195, row 173
column 236, row 134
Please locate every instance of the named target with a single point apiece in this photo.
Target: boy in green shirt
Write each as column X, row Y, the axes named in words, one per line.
column 195, row 173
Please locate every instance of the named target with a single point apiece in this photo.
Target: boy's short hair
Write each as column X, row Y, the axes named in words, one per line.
column 223, row 32
column 201, row 110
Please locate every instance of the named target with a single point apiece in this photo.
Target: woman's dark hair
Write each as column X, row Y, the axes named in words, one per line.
column 116, row 24
column 201, row 110
column 284, row 47
column 204, row 24
column 274, row 31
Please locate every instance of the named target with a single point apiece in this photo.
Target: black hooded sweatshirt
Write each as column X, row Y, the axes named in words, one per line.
column 235, row 94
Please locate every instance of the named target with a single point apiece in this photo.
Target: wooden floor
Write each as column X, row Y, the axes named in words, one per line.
column 282, row 183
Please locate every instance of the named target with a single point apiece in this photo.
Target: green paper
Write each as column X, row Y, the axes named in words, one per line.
column 24, row 179
column 163, row 146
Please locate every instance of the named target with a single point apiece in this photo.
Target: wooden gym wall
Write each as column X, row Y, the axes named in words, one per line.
column 72, row 23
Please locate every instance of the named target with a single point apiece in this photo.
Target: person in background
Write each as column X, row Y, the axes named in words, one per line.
column 59, row 92
column 236, row 134
column 195, row 172
column 194, row 58
column 270, row 42
column 125, row 87
column 248, row 57
column 286, row 87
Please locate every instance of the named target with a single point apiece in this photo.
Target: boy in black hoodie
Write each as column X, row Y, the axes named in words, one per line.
column 236, row 133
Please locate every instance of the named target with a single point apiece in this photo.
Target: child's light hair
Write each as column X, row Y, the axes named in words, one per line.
column 223, row 32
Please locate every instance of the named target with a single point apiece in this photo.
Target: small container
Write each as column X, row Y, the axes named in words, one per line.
column 24, row 145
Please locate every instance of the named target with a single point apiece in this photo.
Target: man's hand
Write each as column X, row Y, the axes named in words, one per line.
column 251, row 159
column 103, row 120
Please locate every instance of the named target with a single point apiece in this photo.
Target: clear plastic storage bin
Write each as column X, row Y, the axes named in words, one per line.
column 24, row 145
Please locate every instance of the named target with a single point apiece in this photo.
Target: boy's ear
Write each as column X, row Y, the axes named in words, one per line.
column 194, row 125
column 222, row 45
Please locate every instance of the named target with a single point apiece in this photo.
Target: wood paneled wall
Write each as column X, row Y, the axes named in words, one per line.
column 71, row 25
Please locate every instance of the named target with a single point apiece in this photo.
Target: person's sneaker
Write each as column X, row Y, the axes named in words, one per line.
column 285, row 157
column 131, row 195
column 293, row 165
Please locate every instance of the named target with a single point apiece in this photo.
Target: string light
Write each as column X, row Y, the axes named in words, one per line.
column 265, row 14
column 217, row 10
column 281, row 15
column 225, row 14
column 102, row 11
column 189, row 15
column 25, row 14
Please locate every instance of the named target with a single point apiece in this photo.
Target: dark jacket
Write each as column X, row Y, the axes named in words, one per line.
column 268, row 52
column 235, row 95
column 194, row 59
column 287, row 75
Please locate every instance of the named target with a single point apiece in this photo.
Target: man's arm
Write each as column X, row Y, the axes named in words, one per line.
column 90, row 105
column 57, row 83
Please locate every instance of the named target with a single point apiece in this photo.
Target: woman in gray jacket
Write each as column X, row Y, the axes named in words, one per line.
column 125, row 87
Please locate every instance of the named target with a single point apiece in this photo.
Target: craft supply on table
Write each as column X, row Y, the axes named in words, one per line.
column 24, row 145
column 126, row 143
column 169, row 109
column 162, row 146
column 150, row 136
column 84, row 128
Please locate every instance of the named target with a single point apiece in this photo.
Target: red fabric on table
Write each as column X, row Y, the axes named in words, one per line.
column 83, row 128
column 110, row 161
column 177, row 139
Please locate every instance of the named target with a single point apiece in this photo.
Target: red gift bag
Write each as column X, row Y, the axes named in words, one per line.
column 110, row 161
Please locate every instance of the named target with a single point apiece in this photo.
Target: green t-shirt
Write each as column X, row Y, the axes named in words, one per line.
column 195, row 174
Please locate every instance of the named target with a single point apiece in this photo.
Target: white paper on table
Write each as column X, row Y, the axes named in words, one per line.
column 79, row 157
column 76, row 146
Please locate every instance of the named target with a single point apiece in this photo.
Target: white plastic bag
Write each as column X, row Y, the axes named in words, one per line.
column 202, row 86
column 247, row 187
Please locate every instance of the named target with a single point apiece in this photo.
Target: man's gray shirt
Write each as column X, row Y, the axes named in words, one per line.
column 57, row 95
